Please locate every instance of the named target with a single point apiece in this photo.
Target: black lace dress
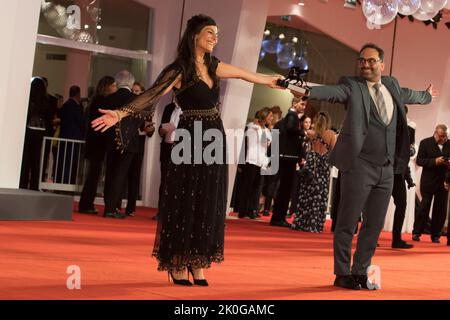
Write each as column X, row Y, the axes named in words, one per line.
column 192, row 209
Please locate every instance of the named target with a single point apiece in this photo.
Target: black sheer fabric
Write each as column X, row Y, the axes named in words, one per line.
column 143, row 106
column 193, row 201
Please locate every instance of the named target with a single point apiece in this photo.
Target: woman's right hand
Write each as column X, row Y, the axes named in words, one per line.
column 106, row 121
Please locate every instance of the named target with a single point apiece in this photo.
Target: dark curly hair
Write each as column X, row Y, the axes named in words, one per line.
column 186, row 49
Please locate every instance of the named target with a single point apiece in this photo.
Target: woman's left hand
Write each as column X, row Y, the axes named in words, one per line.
column 106, row 121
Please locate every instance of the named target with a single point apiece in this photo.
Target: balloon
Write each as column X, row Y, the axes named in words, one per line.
column 408, row 7
column 433, row 5
column 287, row 52
column 270, row 45
column 423, row 15
column 262, row 54
column 299, row 61
column 283, row 64
column 380, row 12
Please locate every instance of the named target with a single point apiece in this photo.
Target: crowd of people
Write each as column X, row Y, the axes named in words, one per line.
column 67, row 123
column 371, row 151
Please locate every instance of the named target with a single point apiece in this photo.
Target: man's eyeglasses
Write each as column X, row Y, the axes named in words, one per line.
column 370, row 61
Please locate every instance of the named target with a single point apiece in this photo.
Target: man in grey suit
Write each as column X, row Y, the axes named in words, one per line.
column 372, row 145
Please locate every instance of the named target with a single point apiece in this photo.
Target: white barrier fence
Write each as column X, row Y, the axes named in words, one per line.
column 62, row 165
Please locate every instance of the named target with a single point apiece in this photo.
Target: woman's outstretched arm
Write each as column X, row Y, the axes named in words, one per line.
column 226, row 71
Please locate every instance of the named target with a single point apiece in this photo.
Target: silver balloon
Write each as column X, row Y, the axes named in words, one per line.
column 287, row 52
column 423, row 15
column 262, row 54
column 408, row 7
column 299, row 61
column 380, row 12
column 283, row 64
column 271, row 45
column 433, row 5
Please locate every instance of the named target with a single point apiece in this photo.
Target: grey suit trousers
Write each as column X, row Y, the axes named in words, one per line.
column 365, row 188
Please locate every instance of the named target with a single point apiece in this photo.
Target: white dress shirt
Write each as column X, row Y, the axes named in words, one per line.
column 258, row 140
column 174, row 120
column 389, row 103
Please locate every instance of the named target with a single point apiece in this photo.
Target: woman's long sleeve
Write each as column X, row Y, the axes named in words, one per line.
column 142, row 107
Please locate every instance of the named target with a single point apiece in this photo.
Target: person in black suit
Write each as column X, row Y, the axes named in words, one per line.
column 169, row 122
column 134, row 175
column 399, row 195
column 35, row 130
column 447, row 187
column 72, row 127
column 95, row 150
column 291, row 151
column 117, row 163
column 372, row 146
column 50, row 130
column 433, row 156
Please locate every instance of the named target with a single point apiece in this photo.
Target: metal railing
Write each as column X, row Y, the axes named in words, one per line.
column 62, row 165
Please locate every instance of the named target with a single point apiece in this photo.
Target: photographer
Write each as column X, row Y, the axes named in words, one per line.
column 433, row 156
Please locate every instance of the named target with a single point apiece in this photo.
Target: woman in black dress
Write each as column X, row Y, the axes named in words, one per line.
column 190, row 233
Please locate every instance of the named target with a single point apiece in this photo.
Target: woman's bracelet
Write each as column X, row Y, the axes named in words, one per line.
column 118, row 115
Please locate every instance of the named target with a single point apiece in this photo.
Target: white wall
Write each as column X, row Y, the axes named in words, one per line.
column 19, row 28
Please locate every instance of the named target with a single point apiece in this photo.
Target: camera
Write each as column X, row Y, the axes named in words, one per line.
column 295, row 82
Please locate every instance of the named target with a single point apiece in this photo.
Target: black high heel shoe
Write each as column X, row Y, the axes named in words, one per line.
column 182, row 282
column 198, row 282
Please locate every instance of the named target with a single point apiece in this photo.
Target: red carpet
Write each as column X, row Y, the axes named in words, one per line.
column 261, row 262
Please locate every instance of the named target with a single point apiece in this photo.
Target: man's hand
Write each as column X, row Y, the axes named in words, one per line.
column 440, row 161
column 169, row 127
column 434, row 93
column 149, row 129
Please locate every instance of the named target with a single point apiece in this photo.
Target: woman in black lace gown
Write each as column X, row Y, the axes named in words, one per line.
column 313, row 195
column 190, row 233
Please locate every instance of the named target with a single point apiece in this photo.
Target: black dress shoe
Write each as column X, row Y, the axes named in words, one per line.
column 416, row 237
column 266, row 213
column 347, row 282
column 435, row 240
column 362, row 280
column 88, row 211
column 401, row 245
column 114, row 215
column 281, row 223
column 250, row 215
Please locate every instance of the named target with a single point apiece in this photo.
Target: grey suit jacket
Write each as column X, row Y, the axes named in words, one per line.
column 354, row 94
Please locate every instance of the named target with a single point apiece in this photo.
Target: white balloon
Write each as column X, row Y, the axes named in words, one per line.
column 423, row 15
column 380, row 12
column 408, row 7
column 433, row 5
